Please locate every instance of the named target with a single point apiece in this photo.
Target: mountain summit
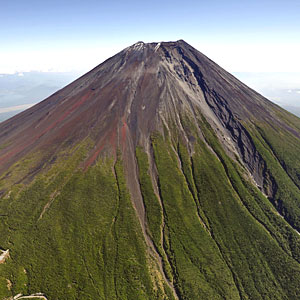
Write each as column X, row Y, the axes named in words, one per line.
column 157, row 175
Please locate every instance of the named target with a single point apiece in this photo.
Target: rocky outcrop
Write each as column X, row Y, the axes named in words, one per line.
column 4, row 255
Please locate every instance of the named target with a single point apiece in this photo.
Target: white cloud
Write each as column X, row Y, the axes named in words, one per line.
column 253, row 57
column 53, row 60
column 234, row 57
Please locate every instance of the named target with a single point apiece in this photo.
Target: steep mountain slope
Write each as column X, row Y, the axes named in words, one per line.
column 157, row 175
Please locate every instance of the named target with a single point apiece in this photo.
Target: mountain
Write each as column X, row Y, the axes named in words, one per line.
column 157, row 175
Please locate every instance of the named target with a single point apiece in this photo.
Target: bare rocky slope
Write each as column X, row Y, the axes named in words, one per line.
column 157, row 175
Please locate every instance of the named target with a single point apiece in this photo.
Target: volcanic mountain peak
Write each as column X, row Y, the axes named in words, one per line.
column 157, row 175
column 121, row 102
column 140, row 44
column 137, row 46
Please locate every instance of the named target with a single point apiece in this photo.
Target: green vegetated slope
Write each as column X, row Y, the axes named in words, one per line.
column 259, row 263
column 223, row 238
column 88, row 244
column 266, row 250
column 74, row 234
column 280, row 149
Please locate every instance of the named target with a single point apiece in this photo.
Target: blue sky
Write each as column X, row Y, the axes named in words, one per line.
column 253, row 36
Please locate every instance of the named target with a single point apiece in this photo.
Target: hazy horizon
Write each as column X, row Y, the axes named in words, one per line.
column 19, row 91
